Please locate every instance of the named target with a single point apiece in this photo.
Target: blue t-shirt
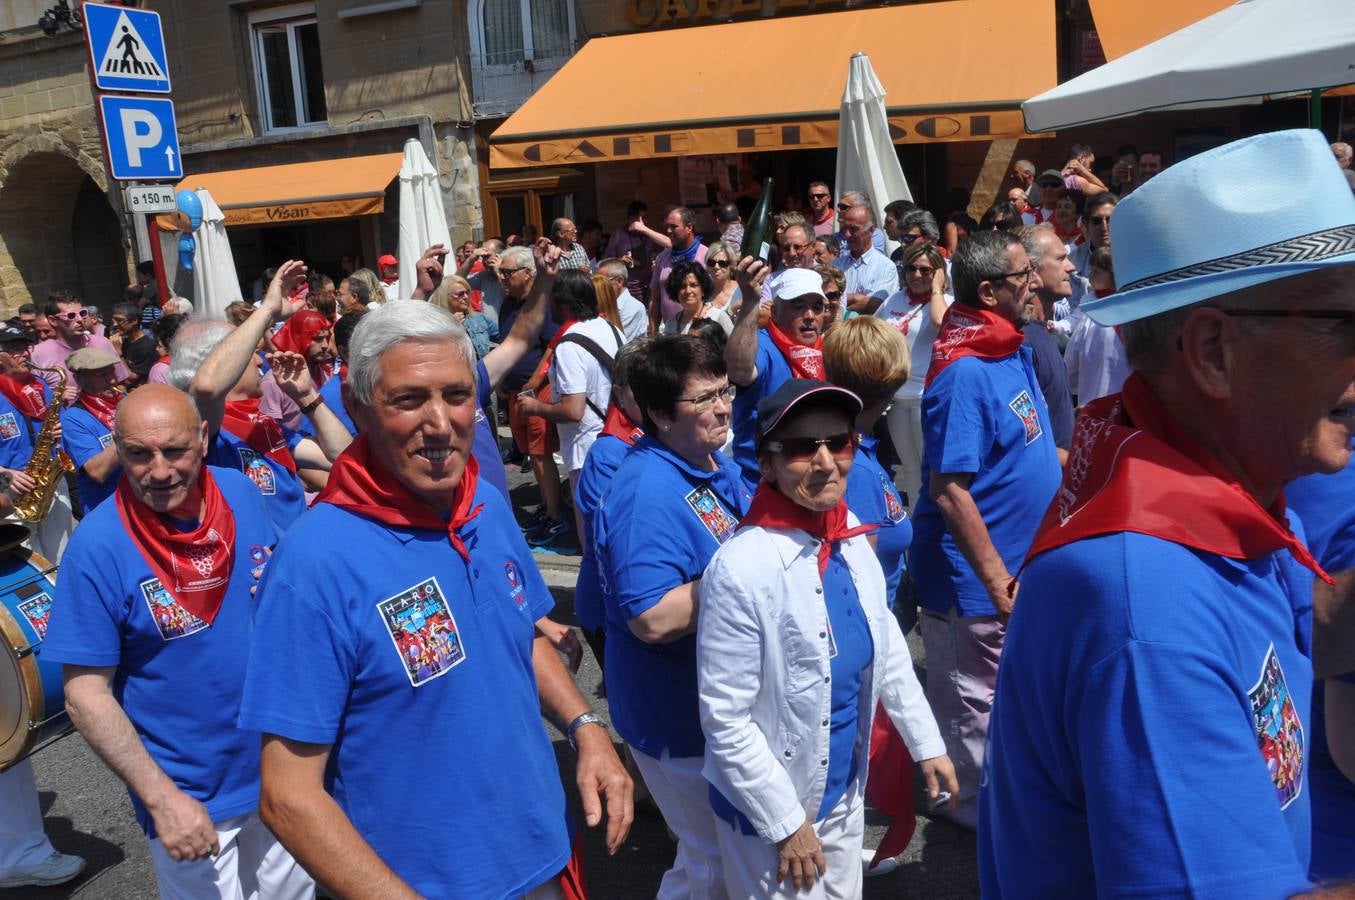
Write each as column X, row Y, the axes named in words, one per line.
column 1326, row 506
column 16, row 444
column 986, row 418
column 850, row 652
column 332, row 392
column 485, row 446
column 601, row 463
column 178, row 679
column 1149, row 732
column 84, row 438
column 282, row 490
column 872, row 496
column 415, row 668
column 772, row 372
column 1052, row 375
column 660, row 523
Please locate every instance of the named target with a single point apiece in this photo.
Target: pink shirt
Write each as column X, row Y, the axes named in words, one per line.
column 662, row 266
column 52, row 353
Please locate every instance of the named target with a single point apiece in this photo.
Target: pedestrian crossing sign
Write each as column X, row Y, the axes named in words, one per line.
column 126, row 49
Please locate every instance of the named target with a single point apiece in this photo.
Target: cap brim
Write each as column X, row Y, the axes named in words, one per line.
column 1130, row 306
column 832, row 395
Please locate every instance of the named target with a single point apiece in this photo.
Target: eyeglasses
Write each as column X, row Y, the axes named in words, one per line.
column 706, row 400
column 793, row 248
column 508, row 273
column 833, row 295
column 819, row 196
column 801, row 448
column 73, row 315
column 460, row 293
column 717, row 264
column 1025, row 275
column 925, row 271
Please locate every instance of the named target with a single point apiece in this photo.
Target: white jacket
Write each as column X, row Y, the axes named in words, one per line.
column 763, row 675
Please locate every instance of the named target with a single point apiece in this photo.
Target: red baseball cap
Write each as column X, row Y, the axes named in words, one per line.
column 388, row 260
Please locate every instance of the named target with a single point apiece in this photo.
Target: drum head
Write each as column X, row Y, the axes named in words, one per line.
column 19, row 684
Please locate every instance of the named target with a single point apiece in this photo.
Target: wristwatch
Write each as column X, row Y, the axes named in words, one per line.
column 588, row 718
column 313, row 405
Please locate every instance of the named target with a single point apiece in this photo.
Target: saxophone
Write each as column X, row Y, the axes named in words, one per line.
column 44, row 468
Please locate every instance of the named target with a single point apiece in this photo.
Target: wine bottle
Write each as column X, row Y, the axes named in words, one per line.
column 757, row 233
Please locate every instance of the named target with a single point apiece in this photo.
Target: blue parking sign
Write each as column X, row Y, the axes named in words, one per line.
column 143, row 139
column 126, row 49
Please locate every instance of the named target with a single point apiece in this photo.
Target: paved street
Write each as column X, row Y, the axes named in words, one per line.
column 87, row 812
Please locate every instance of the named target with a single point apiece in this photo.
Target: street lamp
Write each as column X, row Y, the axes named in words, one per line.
column 51, row 21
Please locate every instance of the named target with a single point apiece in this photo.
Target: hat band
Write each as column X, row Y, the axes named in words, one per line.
column 1318, row 245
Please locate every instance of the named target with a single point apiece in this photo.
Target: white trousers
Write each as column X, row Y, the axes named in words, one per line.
column 23, row 843
column 252, row 865
column 683, row 796
column 905, row 430
column 750, row 863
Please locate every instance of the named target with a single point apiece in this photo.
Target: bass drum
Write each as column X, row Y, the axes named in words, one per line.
column 32, row 701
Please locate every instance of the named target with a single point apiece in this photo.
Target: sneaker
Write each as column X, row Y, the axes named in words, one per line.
column 546, row 532
column 884, row 868
column 58, row 868
column 533, row 521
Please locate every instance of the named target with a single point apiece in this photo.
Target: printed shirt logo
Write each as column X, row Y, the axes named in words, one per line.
column 1025, row 410
column 421, row 627
column 893, row 503
column 255, row 465
column 105, row 441
column 37, row 610
column 172, row 620
column 706, row 505
column 9, row 427
column 1279, row 733
column 516, row 592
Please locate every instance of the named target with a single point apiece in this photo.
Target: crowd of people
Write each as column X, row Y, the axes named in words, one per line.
column 302, row 620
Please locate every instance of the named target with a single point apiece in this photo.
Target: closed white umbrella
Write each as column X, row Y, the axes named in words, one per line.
column 1252, row 49
column 866, row 158
column 422, row 220
column 215, row 282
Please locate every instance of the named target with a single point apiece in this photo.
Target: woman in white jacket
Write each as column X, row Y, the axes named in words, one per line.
column 795, row 646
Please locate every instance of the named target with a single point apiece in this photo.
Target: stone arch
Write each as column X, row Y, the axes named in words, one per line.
column 57, row 229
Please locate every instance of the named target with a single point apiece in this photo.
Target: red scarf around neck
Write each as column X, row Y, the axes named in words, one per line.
column 359, row 484
column 1134, row 468
column 771, row 509
column 193, row 566
column 101, row 406
column 619, row 425
column 970, row 331
column 259, row 430
column 26, row 394
column 804, row 362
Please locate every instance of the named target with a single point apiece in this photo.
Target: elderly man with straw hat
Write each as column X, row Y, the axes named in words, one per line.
column 1149, row 735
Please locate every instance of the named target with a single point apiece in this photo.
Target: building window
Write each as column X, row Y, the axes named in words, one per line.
column 288, row 69
column 513, row 31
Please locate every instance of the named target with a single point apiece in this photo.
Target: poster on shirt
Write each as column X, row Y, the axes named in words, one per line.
column 1279, row 733
column 171, row 619
column 9, row 427
column 256, row 468
column 706, row 505
column 37, row 610
column 423, row 631
column 893, row 504
column 1024, row 407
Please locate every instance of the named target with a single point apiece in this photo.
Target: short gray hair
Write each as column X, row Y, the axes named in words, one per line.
column 391, row 324
column 181, row 306
column 1030, row 237
column 519, row 257
column 923, row 221
column 193, row 343
column 856, row 198
column 980, row 257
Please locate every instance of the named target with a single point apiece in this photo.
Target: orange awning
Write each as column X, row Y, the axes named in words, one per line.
column 300, row 192
column 776, row 84
column 1124, row 27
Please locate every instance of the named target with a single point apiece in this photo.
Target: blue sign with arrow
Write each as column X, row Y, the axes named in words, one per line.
column 143, row 138
column 126, row 49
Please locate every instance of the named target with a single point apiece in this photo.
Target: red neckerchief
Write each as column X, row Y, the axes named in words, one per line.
column 771, row 509
column 26, row 395
column 619, row 425
column 914, row 300
column 194, row 566
column 1069, row 237
column 1038, row 213
column 970, row 331
column 477, row 301
column 1133, row 468
column 259, row 430
column 163, row 359
column 101, row 406
column 359, row 484
column 804, row 362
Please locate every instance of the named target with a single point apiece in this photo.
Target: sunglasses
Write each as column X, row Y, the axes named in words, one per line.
column 460, row 293
column 819, row 196
column 717, row 263
column 509, row 273
column 833, row 295
column 71, row 316
column 926, row 271
column 801, row 448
